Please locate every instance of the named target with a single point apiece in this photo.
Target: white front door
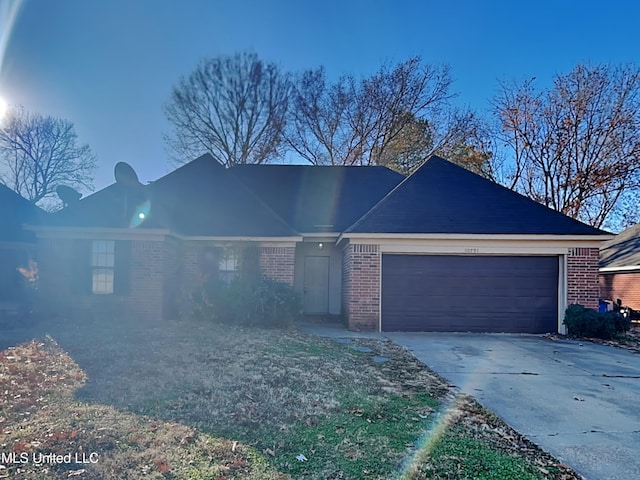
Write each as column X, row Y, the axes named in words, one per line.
column 316, row 285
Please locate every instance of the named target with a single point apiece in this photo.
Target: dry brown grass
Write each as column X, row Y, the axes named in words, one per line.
column 194, row 400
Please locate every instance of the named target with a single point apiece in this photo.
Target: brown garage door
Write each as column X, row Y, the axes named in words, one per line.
column 469, row 293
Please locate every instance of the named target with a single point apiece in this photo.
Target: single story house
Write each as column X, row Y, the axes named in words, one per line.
column 620, row 268
column 443, row 249
column 17, row 246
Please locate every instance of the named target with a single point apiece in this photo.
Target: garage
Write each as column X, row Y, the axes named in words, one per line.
column 469, row 293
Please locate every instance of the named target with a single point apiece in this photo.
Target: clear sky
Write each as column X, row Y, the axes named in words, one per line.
column 109, row 65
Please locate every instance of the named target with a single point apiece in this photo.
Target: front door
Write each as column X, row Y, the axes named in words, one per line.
column 316, row 285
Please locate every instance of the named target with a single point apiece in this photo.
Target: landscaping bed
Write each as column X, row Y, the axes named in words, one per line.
column 629, row 340
column 196, row 400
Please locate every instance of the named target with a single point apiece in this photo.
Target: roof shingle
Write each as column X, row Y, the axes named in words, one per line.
column 316, row 199
column 14, row 212
column 623, row 250
column 198, row 199
column 441, row 197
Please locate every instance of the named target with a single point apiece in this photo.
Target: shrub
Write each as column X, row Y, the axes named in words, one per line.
column 248, row 302
column 621, row 324
column 584, row 322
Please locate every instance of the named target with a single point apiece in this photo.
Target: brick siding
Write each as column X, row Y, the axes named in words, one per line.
column 277, row 263
column 56, row 258
column 54, row 283
column 191, row 274
column 361, row 286
column 147, row 278
column 582, row 276
column 172, row 295
column 625, row 286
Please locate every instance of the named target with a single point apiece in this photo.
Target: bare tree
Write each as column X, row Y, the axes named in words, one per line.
column 39, row 153
column 461, row 138
column 397, row 117
column 320, row 126
column 233, row 107
column 575, row 146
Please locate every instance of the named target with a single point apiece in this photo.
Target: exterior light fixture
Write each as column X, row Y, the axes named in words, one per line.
column 320, row 245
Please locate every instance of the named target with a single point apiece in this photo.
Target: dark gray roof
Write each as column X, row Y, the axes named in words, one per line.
column 14, row 212
column 200, row 198
column 318, row 198
column 623, row 250
column 441, row 197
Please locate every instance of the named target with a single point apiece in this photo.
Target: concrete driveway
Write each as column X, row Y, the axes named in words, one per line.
column 578, row 401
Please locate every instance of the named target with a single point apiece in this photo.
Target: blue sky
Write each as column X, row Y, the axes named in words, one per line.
column 109, row 65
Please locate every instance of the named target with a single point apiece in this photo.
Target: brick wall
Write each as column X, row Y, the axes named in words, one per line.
column 277, row 263
column 162, row 273
column 147, row 278
column 361, row 286
column 58, row 266
column 582, row 276
column 54, row 283
column 172, row 294
column 625, row 286
column 191, row 275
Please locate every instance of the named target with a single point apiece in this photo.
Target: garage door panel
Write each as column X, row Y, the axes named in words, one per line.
column 469, row 293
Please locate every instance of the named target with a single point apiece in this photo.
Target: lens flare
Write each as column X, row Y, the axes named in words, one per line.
column 3, row 108
column 140, row 214
column 447, row 416
column 8, row 14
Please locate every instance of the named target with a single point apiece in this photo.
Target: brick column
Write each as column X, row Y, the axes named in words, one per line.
column 361, row 286
column 147, row 279
column 582, row 277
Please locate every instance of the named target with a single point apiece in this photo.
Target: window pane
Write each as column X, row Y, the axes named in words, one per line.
column 102, row 254
column 102, row 282
column 229, row 263
column 228, row 267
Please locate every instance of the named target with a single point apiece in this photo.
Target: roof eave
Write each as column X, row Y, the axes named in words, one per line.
column 620, row 269
column 474, row 236
column 241, row 238
column 70, row 232
column 93, row 232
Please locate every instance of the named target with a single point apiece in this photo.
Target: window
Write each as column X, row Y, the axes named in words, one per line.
column 102, row 266
column 228, row 266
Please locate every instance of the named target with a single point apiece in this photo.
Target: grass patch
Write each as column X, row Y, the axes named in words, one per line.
column 192, row 400
column 460, row 457
column 289, row 347
column 369, row 438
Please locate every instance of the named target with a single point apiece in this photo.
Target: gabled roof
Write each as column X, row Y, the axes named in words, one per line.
column 315, row 199
column 622, row 251
column 198, row 199
column 441, row 197
column 14, row 212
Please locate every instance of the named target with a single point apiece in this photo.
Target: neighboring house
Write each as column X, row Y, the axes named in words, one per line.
column 443, row 249
column 620, row 268
column 16, row 246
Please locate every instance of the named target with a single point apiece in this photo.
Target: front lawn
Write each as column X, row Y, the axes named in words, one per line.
column 193, row 400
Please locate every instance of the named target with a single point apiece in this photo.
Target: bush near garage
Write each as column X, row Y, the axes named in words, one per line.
column 584, row 322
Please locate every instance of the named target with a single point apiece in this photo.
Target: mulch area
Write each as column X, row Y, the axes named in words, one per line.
column 629, row 341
